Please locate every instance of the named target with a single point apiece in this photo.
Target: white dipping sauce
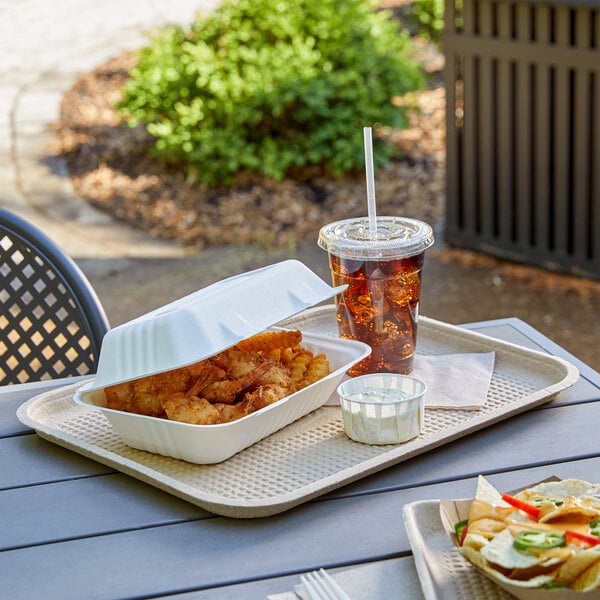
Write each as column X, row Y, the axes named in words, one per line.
column 382, row 415
column 381, row 395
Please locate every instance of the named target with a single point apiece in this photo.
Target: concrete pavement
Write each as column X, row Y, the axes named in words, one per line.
column 44, row 46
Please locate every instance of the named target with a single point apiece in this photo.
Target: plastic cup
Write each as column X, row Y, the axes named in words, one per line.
column 380, row 306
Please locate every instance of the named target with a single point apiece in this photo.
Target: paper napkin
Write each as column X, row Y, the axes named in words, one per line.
column 454, row 381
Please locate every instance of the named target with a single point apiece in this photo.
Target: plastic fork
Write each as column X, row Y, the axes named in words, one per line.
column 319, row 585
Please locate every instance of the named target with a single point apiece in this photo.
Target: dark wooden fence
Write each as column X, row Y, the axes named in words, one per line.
column 523, row 131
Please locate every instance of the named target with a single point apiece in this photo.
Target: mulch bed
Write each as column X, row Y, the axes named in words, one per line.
column 111, row 167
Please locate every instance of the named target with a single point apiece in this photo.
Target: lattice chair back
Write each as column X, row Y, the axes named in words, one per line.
column 51, row 321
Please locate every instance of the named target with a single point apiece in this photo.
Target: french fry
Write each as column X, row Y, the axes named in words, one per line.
column 299, row 365
column 269, row 340
column 317, row 369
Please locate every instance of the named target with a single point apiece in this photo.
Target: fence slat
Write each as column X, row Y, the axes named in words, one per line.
column 470, row 189
column 485, row 149
column 582, row 110
column 541, row 142
column 505, row 92
column 524, row 136
column 594, row 217
column 452, row 79
column 561, row 144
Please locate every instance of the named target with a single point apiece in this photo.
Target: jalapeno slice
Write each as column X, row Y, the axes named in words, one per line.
column 595, row 527
column 532, row 541
column 546, row 500
column 458, row 528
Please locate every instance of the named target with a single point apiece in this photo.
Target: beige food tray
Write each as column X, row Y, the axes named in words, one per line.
column 443, row 572
column 313, row 455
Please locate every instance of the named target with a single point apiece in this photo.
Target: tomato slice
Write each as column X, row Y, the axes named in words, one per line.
column 531, row 510
column 581, row 539
column 463, row 535
column 459, row 530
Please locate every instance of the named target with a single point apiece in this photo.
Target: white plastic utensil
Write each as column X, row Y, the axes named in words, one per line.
column 319, row 585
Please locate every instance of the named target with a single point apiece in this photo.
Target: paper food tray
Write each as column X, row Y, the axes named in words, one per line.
column 444, row 573
column 447, row 575
column 313, row 455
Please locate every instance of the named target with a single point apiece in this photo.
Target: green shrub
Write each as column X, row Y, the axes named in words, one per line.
column 269, row 85
column 428, row 17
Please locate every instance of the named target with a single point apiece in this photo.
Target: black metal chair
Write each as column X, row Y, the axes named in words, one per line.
column 51, row 320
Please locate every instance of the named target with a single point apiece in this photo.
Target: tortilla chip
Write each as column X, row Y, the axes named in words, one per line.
column 570, row 510
column 582, row 501
column 501, row 551
column 475, row 541
column 577, row 564
column 479, row 561
column 588, row 580
column 488, row 493
column 564, row 488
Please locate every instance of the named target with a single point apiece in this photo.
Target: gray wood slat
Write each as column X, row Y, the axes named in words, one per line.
column 595, row 176
column 470, row 111
column 540, row 53
column 12, row 396
column 403, row 570
column 216, row 552
column 88, row 507
column 30, row 460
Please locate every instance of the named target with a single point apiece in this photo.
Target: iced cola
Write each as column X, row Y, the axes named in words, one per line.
column 380, row 306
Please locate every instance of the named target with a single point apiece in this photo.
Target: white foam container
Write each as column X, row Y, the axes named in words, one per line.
column 199, row 326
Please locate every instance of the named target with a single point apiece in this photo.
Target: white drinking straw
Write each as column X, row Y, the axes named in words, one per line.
column 371, row 205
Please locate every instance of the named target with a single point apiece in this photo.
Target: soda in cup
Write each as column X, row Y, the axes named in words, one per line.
column 382, row 270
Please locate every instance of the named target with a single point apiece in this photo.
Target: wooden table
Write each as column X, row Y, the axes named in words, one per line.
column 72, row 528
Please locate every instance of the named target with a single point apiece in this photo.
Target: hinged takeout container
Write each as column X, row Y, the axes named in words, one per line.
column 201, row 325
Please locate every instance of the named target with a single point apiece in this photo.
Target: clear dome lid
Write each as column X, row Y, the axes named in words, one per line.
column 395, row 237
